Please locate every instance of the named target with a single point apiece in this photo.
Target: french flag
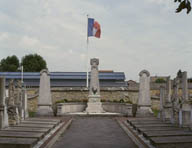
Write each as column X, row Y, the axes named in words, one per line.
column 93, row 28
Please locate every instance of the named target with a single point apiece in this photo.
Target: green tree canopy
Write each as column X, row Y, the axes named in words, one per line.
column 9, row 64
column 33, row 63
column 184, row 4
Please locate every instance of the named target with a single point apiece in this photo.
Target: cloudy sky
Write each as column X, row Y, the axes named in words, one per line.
column 136, row 34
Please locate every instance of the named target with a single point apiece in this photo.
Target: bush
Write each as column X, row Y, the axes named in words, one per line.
column 160, row 80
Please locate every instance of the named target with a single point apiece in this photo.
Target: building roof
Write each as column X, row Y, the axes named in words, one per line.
column 67, row 78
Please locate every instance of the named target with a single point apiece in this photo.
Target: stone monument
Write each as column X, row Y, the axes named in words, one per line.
column 11, row 107
column 167, row 106
column 94, row 104
column 24, row 99
column 144, row 102
column 18, row 100
column 3, row 110
column 44, row 99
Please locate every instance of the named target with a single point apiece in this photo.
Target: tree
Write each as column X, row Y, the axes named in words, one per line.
column 33, row 63
column 160, row 80
column 10, row 64
column 184, row 4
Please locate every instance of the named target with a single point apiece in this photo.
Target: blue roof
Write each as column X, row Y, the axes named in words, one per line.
column 64, row 75
column 67, row 78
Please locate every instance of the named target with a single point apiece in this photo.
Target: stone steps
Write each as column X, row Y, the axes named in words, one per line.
column 29, row 133
column 160, row 134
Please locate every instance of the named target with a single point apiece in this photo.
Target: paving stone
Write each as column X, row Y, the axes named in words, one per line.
column 166, row 133
column 17, row 142
column 172, row 142
column 91, row 132
column 21, row 134
column 34, row 125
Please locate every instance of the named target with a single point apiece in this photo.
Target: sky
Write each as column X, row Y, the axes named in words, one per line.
column 135, row 35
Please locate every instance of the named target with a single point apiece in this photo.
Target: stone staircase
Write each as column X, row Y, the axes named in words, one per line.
column 33, row 133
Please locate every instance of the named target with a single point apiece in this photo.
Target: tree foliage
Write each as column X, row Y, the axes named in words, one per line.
column 160, row 80
column 33, row 63
column 184, row 4
column 9, row 64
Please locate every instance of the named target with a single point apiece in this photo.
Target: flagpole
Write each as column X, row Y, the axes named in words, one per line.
column 87, row 55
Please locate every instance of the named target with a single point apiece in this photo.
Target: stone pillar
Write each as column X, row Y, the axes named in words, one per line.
column 44, row 99
column 167, row 107
column 175, row 102
column 18, row 100
column 12, row 109
column 94, row 104
column 144, row 94
column 186, row 106
column 184, row 86
column 24, row 107
column 3, row 110
column 162, row 103
column 168, row 88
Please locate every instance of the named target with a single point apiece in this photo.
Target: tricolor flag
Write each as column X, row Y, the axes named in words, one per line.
column 93, row 28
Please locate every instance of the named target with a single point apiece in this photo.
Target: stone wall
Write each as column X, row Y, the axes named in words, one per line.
column 81, row 95
column 65, row 108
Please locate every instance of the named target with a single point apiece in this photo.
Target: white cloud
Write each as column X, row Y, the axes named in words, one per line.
column 136, row 35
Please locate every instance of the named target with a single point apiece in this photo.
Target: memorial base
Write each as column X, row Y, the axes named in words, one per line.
column 44, row 111
column 94, row 105
column 144, row 112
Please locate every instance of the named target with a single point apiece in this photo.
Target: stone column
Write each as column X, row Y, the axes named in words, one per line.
column 24, row 107
column 168, row 88
column 44, row 99
column 144, row 94
column 18, row 100
column 3, row 110
column 167, row 107
column 162, row 103
column 12, row 109
column 94, row 104
column 186, row 106
column 184, row 86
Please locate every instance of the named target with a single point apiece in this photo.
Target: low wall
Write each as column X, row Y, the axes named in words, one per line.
column 64, row 108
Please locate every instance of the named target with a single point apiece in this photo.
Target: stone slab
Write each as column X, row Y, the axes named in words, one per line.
column 25, row 129
column 152, row 125
column 145, row 123
column 144, row 129
column 172, row 142
column 34, row 125
column 21, row 134
column 39, row 122
column 43, row 119
column 149, row 134
column 143, row 119
column 17, row 142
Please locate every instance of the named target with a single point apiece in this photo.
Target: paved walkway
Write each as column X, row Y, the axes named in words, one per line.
column 94, row 132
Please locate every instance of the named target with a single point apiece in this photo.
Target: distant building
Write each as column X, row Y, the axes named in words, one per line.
column 154, row 78
column 68, row 79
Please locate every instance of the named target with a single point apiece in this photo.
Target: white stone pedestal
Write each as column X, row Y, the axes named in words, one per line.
column 94, row 105
column 144, row 112
column 44, row 110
